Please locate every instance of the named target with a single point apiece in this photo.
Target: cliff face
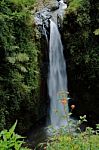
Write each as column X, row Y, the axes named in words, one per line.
column 81, row 52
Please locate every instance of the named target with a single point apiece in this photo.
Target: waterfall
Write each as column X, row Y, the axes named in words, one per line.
column 57, row 79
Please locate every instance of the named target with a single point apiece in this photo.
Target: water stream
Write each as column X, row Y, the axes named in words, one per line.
column 57, row 80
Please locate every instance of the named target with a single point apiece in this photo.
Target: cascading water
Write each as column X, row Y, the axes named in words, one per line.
column 57, row 80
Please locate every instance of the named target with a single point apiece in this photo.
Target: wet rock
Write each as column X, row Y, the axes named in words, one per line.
column 53, row 5
column 53, row 9
column 65, row 1
column 42, row 16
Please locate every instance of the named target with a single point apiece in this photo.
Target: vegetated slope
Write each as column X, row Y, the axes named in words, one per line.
column 19, row 68
column 81, row 33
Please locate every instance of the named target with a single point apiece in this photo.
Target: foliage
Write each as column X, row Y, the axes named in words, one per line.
column 19, row 67
column 80, row 142
column 81, row 23
column 28, row 2
column 10, row 140
column 96, row 32
column 65, row 139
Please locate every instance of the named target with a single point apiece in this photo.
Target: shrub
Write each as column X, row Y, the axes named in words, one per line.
column 65, row 139
column 9, row 140
column 19, row 67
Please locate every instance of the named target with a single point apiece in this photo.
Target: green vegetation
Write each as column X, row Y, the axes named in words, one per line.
column 79, row 142
column 71, row 137
column 23, row 2
column 9, row 140
column 20, row 71
column 81, row 33
column 19, row 65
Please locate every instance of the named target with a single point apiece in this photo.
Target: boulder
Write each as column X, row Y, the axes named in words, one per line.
column 53, row 5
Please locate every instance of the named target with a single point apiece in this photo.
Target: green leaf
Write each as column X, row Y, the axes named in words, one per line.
column 22, row 57
column 11, row 60
column 96, row 32
column 13, row 128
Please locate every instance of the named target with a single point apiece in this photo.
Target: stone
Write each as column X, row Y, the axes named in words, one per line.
column 53, row 5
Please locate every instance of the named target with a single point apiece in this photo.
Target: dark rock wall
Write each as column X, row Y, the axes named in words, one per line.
column 44, row 47
column 81, row 53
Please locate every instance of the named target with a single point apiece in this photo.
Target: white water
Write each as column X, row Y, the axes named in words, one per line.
column 62, row 7
column 57, row 80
